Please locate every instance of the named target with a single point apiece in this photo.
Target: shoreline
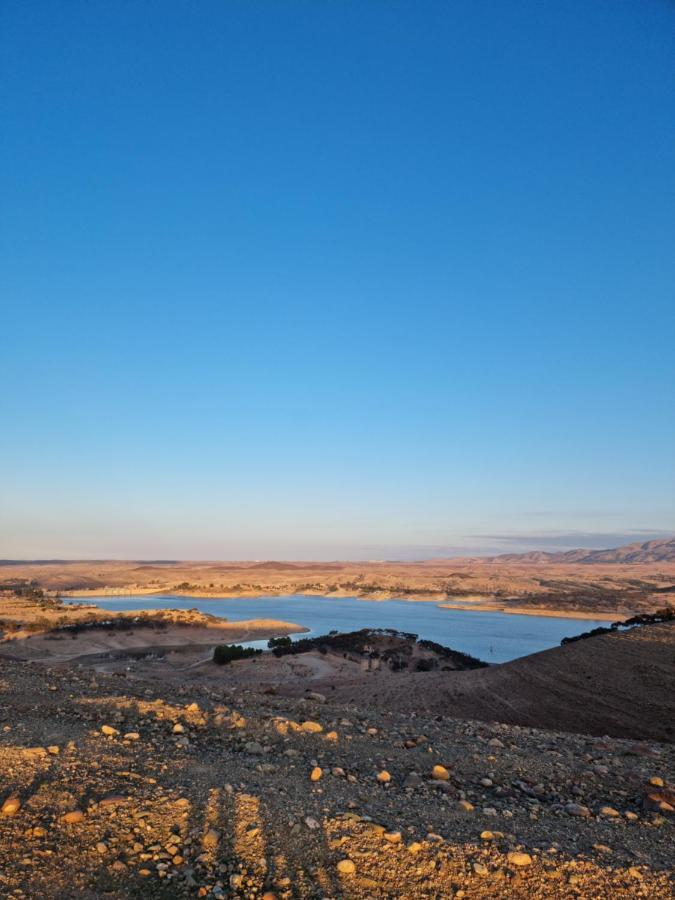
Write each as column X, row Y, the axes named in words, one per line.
column 489, row 606
column 166, row 636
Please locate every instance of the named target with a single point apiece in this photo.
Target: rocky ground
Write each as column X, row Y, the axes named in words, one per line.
column 118, row 788
column 621, row 684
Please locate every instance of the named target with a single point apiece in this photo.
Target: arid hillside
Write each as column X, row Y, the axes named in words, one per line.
column 619, row 684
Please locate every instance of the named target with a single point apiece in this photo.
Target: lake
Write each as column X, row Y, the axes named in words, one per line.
column 493, row 637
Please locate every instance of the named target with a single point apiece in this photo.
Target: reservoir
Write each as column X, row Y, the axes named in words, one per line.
column 490, row 636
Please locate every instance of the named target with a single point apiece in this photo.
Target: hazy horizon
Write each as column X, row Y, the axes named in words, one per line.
column 321, row 281
column 502, row 545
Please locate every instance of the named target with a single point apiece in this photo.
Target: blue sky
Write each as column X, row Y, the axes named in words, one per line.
column 336, row 279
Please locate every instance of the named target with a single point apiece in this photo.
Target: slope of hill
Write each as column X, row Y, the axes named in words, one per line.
column 620, row 684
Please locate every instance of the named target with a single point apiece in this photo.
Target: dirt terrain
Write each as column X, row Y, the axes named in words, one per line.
column 124, row 788
column 620, row 684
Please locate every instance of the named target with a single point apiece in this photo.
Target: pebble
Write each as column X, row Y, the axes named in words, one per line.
column 346, row 867
column 11, row 806
column 109, row 730
column 311, row 727
column 465, row 806
column 74, row 817
column 383, row 777
column 440, row 773
column 210, row 838
column 576, row 809
column 517, row 858
column 480, row 869
column 316, row 773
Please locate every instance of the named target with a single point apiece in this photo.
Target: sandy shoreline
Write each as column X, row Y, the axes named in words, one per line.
column 477, row 606
column 165, row 635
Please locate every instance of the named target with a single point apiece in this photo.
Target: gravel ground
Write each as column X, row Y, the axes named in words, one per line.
column 198, row 791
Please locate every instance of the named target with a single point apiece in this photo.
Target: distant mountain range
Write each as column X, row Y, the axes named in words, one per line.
column 662, row 550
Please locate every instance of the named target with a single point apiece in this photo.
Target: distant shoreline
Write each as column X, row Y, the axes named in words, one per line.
column 489, row 606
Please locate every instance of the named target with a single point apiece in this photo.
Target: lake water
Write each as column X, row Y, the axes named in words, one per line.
column 493, row 637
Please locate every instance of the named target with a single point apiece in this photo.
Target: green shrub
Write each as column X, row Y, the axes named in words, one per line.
column 227, row 653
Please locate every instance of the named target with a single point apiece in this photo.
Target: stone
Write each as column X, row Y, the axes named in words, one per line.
column 602, row 848
column 53, row 750
column 383, row 777
column 655, row 781
column 178, row 728
column 316, row 773
column 393, row 837
column 101, row 847
column 210, row 839
column 576, row 809
column 254, row 748
column 346, row 867
column 440, row 773
column 480, row 869
column 108, row 730
column 11, row 806
column 414, row 847
column 311, row 727
column 465, row 806
column 517, row 858
column 132, row 736
column 74, row 817
column 609, row 812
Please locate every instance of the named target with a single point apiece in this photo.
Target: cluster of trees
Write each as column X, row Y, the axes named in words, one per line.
column 661, row 615
column 465, row 659
column 30, row 590
column 224, row 654
column 360, row 641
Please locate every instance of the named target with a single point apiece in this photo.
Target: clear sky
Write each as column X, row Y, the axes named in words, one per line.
column 320, row 278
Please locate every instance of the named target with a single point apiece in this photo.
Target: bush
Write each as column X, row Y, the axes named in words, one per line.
column 224, row 654
column 278, row 642
column 657, row 618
